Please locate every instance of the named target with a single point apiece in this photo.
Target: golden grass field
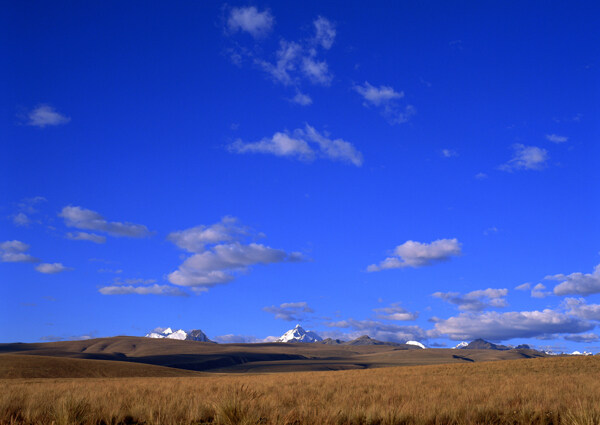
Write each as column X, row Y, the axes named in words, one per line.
column 563, row 390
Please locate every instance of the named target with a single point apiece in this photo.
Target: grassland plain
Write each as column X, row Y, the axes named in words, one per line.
column 563, row 390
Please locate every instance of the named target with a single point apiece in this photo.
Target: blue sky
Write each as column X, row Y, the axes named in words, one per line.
column 412, row 170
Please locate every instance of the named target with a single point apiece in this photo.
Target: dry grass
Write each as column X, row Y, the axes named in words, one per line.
column 534, row 391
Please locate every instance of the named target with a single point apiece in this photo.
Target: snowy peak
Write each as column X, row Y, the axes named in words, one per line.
column 180, row 334
column 461, row 345
column 298, row 334
column 416, row 343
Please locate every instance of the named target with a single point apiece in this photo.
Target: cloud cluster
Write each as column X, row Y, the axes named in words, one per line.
column 386, row 99
column 579, row 308
column 291, row 312
column 15, row 252
column 577, row 283
column 303, row 144
column 45, row 115
column 51, row 268
column 26, row 207
column 395, row 312
column 219, row 254
column 503, row 326
column 249, row 19
column 418, row 254
column 526, row 158
column 475, row 300
column 376, row 330
column 85, row 219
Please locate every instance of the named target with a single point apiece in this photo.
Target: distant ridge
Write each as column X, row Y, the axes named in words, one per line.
column 168, row 333
column 480, row 344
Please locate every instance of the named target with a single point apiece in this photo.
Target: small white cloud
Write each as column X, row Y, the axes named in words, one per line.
column 302, row 99
column 82, row 218
column 555, row 138
column 395, row 312
column 249, row 19
column 579, row 308
column 51, row 268
column 587, row 337
column 448, row 153
column 316, row 71
column 291, row 312
column 304, row 144
column 143, row 290
column 84, row 236
column 196, row 238
column 45, row 115
column 577, row 283
column 287, row 58
column 524, row 287
column 21, row 219
column 481, row 176
column 15, row 252
column 385, row 98
column 539, row 291
column 526, row 158
column 475, row 300
column 418, row 254
column 324, row 32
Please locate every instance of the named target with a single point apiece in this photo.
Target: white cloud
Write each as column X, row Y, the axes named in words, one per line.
column 242, row 339
column 21, row 219
column 196, row 238
column 579, row 308
column 249, row 19
column 45, row 115
column 577, row 283
column 475, row 300
column 133, row 281
column 481, row 176
column 538, row 291
column 448, row 153
column 555, row 138
column 304, row 144
column 15, row 252
column 287, row 61
column 524, row 287
column 291, row 312
column 219, row 255
column 302, row 99
column 316, row 71
column 417, row 254
column 395, row 312
column 82, row 218
column 84, row 236
column 324, row 32
column 376, row 330
column 51, row 268
column 526, row 158
column 502, row 326
column 155, row 289
column 377, row 96
column 385, row 98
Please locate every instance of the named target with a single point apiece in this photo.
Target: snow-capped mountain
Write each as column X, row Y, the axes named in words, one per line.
column 180, row 334
column 461, row 345
column 417, row 343
column 298, row 334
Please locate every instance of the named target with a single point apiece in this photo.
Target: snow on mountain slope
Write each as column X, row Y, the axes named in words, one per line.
column 180, row 334
column 298, row 334
column 461, row 345
column 417, row 343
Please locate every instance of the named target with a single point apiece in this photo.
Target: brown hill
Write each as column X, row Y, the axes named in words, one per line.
column 242, row 358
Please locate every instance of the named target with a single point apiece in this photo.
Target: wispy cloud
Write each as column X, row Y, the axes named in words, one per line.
column 302, row 99
column 395, row 312
column 324, row 32
column 291, row 312
column 555, row 138
column 577, row 283
column 587, row 337
column 45, row 115
column 303, row 144
column 448, row 153
column 526, row 158
column 249, row 19
column 51, row 268
column 385, row 99
column 418, row 254
column 15, row 252
column 155, row 289
column 475, row 300
column 220, row 254
column 376, row 330
column 82, row 218
column 84, row 236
